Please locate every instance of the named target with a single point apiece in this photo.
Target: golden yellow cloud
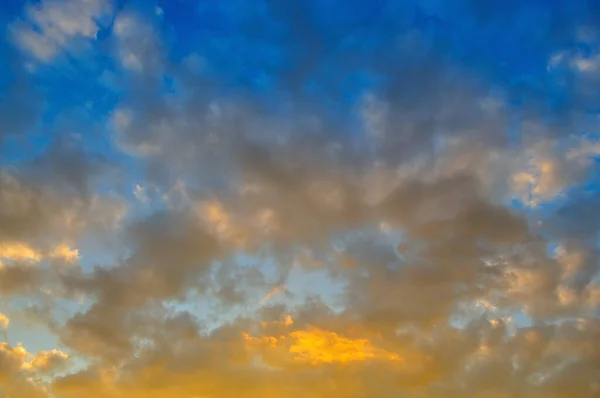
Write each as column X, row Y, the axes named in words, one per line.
column 316, row 346
column 4, row 321
column 47, row 361
column 19, row 251
column 65, row 253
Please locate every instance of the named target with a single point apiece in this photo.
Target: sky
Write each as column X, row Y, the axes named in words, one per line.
column 274, row 198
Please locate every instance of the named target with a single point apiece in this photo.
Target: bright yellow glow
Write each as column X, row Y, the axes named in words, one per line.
column 18, row 251
column 315, row 346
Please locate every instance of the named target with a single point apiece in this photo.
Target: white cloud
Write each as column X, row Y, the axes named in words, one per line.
column 550, row 168
column 137, row 45
column 140, row 194
column 34, row 43
column 53, row 25
column 587, row 64
column 556, row 59
column 575, row 60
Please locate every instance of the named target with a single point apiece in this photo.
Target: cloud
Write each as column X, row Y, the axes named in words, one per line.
column 306, row 200
column 39, row 219
column 21, row 252
column 15, row 373
column 18, row 251
column 53, row 27
column 317, row 347
column 272, row 293
column 138, row 45
column 65, row 253
column 4, row 321
column 47, row 362
column 551, row 170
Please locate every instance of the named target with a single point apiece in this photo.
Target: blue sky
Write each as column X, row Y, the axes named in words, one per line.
column 189, row 188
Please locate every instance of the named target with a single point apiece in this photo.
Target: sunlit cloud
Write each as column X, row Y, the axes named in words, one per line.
column 299, row 199
column 66, row 253
column 18, row 251
column 4, row 321
column 317, row 346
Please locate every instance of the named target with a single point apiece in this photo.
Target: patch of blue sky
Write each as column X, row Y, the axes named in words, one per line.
column 28, row 330
column 35, row 337
column 306, row 283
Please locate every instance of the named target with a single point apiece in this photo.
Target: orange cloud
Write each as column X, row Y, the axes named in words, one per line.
column 315, row 346
column 18, row 251
column 66, row 253
column 47, row 361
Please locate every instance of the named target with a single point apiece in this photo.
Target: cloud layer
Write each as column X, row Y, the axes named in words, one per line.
column 301, row 199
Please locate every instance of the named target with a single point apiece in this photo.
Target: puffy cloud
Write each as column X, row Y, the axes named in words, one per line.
column 17, row 373
column 47, row 362
column 13, row 359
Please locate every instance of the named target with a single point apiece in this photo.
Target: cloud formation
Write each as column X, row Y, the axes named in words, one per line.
column 242, row 199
